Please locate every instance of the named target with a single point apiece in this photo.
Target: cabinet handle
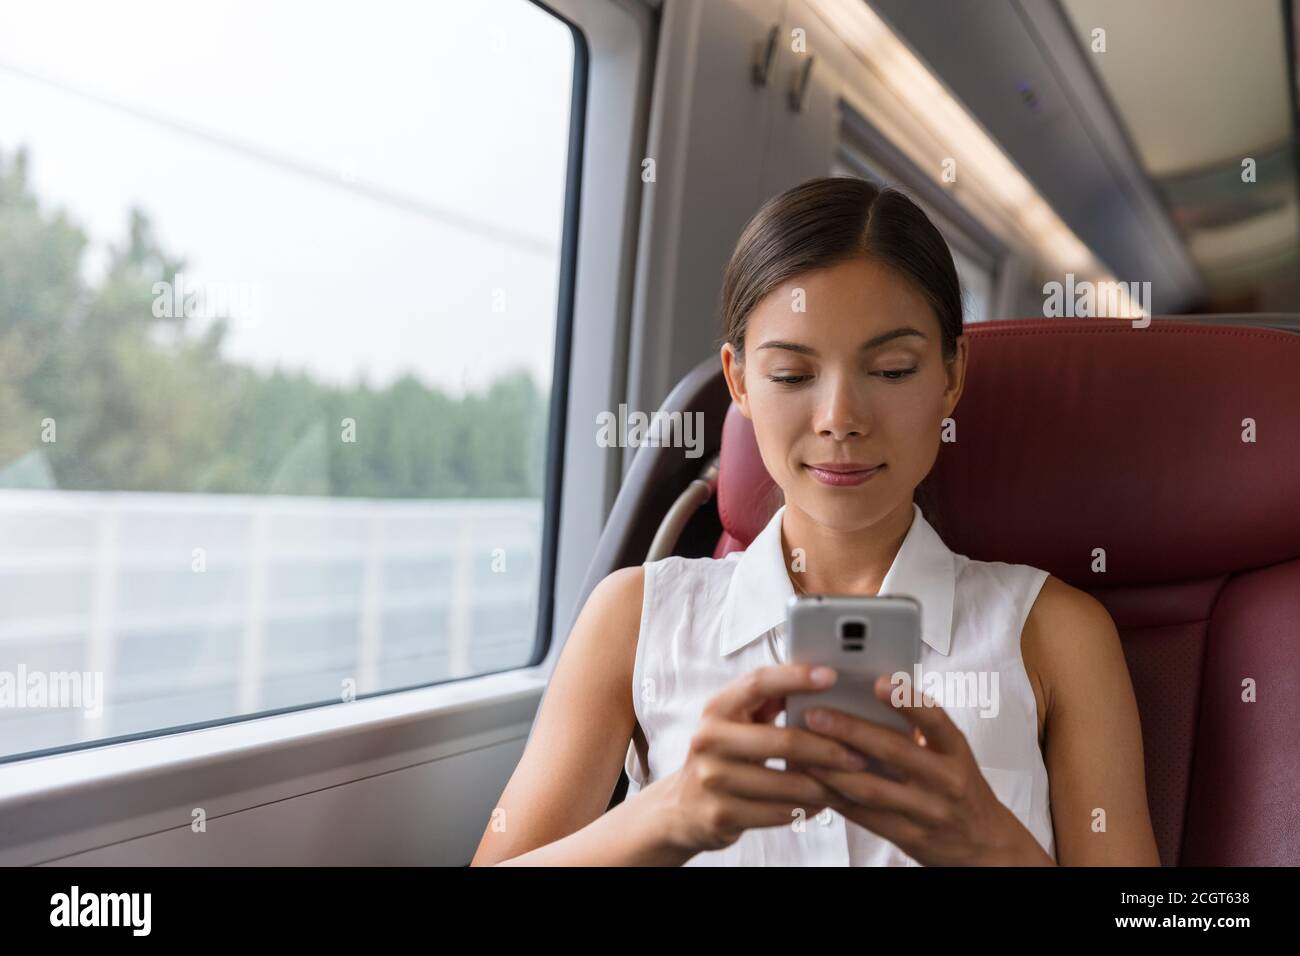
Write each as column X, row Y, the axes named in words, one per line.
column 764, row 54
column 799, row 85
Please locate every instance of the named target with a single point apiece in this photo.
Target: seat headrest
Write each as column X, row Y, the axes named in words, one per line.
column 747, row 495
column 1074, row 435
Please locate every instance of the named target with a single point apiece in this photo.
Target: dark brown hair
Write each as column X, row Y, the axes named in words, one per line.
column 830, row 220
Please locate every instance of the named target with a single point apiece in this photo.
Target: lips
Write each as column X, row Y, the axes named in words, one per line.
column 842, row 474
column 842, row 467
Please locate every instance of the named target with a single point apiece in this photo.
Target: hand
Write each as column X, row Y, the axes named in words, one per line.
column 939, row 810
column 724, row 787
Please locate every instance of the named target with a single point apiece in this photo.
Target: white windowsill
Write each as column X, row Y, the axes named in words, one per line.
column 46, row 776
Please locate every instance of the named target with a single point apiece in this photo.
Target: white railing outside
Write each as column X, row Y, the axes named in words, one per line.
column 201, row 607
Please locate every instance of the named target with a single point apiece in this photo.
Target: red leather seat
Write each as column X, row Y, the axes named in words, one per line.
column 1074, row 435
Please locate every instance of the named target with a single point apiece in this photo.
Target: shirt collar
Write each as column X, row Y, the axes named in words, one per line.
column 760, row 588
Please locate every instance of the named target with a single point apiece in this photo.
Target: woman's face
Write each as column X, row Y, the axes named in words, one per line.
column 856, row 379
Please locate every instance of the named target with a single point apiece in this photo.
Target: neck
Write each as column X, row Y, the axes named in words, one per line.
column 836, row 561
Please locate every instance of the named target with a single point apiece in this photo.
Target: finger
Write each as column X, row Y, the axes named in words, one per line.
column 901, row 751
column 830, row 796
column 763, row 784
column 876, row 793
column 924, row 713
column 745, row 696
column 751, row 814
column 895, row 827
column 762, row 742
column 794, row 766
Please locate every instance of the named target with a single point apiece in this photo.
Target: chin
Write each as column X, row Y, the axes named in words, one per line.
column 844, row 509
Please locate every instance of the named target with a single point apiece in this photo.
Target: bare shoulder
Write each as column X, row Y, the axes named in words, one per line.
column 610, row 622
column 620, row 590
column 1062, row 605
column 1069, row 644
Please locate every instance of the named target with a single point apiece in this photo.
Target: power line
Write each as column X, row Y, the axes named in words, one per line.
column 295, row 167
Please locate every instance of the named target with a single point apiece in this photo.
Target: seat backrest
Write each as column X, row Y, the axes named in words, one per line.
column 1158, row 469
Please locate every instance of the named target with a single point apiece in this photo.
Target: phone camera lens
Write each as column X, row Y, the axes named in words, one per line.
column 853, row 629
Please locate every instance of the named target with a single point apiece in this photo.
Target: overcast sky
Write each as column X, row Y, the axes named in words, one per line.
column 375, row 170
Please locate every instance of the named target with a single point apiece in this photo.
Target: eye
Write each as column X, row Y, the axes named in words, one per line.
column 788, row 379
column 895, row 374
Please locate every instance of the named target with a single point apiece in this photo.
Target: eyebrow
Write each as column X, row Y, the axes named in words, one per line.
column 872, row 343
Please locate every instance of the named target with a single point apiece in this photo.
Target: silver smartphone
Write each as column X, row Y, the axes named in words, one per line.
column 861, row 638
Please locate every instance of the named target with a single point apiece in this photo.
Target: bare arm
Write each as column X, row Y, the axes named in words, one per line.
column 1093, row 747
column 553, row 809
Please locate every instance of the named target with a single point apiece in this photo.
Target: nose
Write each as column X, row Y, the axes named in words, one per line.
column 842, row 411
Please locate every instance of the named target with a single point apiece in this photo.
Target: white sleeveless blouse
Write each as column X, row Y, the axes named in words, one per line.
column 707, row 621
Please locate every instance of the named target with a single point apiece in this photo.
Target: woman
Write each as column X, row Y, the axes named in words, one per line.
column 844, row 347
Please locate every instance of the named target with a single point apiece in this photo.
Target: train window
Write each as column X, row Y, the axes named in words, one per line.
column 976, row 286
column 276, row 348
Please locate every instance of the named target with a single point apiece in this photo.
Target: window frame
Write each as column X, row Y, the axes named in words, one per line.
column 553, row 466
column 101, row 794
